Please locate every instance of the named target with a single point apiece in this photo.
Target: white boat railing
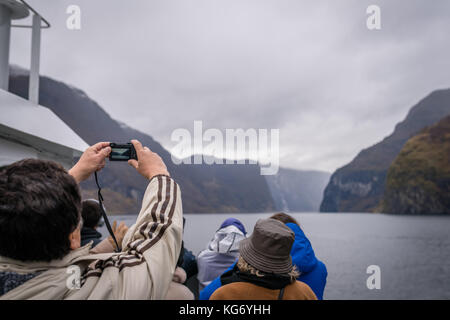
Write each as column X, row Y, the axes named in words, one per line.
column 36, row 26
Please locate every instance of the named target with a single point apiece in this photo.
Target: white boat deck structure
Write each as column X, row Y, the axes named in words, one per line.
column 28, row 130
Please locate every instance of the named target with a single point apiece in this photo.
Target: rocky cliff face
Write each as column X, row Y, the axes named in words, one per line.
column 359, row 186
column 418, row 181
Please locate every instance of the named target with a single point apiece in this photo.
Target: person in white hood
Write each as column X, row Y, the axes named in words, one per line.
column 222, row 251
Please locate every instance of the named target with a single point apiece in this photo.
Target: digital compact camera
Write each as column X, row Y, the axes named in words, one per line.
column 122, row 152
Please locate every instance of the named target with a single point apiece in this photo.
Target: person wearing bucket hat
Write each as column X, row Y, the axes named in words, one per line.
column 264, row 270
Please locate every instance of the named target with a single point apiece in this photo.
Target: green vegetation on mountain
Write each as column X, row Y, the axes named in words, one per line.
column 360, row 185
column 418, row 181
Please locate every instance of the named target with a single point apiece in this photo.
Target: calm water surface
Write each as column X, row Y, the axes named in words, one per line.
column 413, row 252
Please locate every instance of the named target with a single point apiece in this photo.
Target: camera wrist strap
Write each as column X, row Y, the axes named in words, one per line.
column 105, row 217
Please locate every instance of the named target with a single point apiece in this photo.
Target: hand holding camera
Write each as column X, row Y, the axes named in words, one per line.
column 149, row 164
column 93, row 159
column 146, row 162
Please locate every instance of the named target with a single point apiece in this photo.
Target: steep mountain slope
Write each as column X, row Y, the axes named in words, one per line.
column 206, row 188
column 297, row 191
column 418, row 181
column 359, row 186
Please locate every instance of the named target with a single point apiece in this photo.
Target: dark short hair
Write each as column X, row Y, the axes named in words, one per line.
column 284, row 217
column 40, row 206
column 90, row 211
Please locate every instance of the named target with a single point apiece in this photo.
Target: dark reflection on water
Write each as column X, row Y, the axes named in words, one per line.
column 413, row 252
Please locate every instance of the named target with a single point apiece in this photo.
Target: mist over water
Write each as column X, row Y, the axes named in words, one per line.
column 413, row 252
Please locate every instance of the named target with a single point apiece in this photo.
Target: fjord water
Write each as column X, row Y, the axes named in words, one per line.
column 413, row 252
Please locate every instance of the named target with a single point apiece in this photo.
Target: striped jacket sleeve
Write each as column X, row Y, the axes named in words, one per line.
column 150, row 249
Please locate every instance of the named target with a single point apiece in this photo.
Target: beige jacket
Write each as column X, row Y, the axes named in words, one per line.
column 143, row 270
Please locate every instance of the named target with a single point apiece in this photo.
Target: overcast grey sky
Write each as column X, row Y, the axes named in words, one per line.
column 309, row 68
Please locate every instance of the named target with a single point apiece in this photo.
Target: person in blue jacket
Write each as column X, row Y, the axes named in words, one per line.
column 313, row 272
